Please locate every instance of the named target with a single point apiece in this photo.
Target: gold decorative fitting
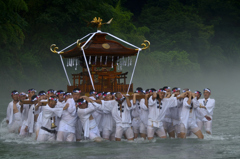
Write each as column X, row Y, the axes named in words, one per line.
column 54, row 50
column 144, row 45
column 78, row 43
column 98, row 22
column 106, row 46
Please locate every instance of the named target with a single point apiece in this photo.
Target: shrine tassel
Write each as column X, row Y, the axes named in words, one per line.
column 95, row 60
column 112, row 61
column 106, row 61
column 89, row 60
column 76, row 64
column 117, row 63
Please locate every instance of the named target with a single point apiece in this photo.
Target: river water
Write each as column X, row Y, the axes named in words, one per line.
column 223, row 143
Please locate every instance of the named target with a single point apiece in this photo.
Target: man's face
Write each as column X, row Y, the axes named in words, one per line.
column 177, row 92
column 32, row 93
column 76, row 96
column 43, row 97
column 100, row 97
column 60, row 97
column 67, row 97
column 161, row 95
column 21, row 98
column 168, row 91
column 206, row 94
column 119, row 96
column 52, row 103
column 15, row 97
column 108, row 97
column 151, row 93
column 83, row 106
column 197, row 95
column 51, row 94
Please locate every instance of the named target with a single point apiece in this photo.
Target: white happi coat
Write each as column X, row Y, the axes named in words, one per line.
column 185, row 113
column 68, row 118
column 30, row 119
column 84, row 115
column 143, row 112
column 12, row 118
column 107, row 121
column 157, row 110
column 210, row 104
column 136, row 114
column 114, row 108
column 25, row 111
column 98, row 116
column 47, row 114
column 58, row 119
column 175, row 112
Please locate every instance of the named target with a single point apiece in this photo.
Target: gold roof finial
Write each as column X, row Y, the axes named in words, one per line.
column 98, row 22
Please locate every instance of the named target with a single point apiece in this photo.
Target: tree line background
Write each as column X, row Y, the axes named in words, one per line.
column 191, row 40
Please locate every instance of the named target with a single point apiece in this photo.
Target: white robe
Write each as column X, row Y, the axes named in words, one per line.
column 175, row 112
column 84, row 115
column 98, row 116
column 185, row 113
column 143, row 112
column 69, row 118
column 15, row 120
column 47, row 114
column 30, row 120
column 113, row 106
column 25, row 111
column 157, row 110
column 210, row 105
column 58, row 119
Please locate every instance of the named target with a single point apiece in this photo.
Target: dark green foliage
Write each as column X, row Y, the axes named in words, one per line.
column 187, row 36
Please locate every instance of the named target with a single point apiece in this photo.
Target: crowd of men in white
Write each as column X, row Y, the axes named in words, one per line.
column 111, row 116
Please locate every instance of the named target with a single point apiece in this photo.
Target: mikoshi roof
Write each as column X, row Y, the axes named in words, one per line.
column 100, row 46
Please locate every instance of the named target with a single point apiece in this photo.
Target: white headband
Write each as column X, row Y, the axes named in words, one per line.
column 206, row 89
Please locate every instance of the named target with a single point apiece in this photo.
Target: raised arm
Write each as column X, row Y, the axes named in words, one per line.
column 146, row 100
column 128, row 101
column 154, row 96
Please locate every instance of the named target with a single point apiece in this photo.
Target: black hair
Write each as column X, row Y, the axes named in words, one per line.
column 50, row 90
column 59, row 91
column 41, row 92
column 153, row 89
column 14, row 91
column 165, row 87
column 139, row 88
column 209, row 89
column 174, row 88
column 78, row 89
column 186, row 89
column 34, row 96
column 81, row 100
column 51, row 97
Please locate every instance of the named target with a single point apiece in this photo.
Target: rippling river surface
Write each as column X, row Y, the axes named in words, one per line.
column 223, row 143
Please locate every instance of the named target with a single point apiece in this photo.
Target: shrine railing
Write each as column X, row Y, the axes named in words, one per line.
column 87, row 88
